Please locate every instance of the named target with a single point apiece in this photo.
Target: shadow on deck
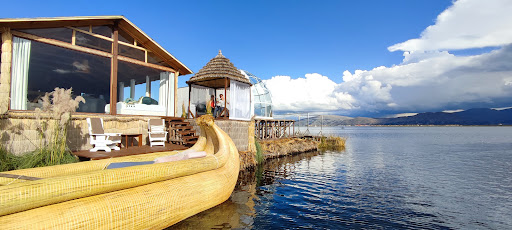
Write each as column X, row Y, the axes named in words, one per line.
column 132, row 150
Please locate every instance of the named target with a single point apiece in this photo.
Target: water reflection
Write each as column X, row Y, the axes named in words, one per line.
column 253, row 185
column 387, row 177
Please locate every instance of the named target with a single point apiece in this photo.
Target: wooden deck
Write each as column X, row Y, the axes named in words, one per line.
column 87, row 155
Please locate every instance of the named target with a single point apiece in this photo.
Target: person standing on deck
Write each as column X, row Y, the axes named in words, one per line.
column 220, row 105
column 211, row 103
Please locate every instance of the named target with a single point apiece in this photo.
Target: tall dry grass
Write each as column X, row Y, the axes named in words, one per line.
column 52, row 122
column 55, row 117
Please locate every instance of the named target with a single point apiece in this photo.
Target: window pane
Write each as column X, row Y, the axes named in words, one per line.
column 123, row 36
column 52, row 66
column 61, row 34
column 93, row 42
column 102, row 30
column 147, row 104
column 132, row 52
column 128, row 71
column 152, row 58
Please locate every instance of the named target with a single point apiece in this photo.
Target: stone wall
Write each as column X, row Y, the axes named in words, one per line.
column 237, row 130
column 18, row 130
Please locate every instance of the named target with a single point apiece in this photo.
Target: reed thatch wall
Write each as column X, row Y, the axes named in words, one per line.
column 18, row 130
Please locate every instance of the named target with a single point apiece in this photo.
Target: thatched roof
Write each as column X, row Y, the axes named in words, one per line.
column 213, row 74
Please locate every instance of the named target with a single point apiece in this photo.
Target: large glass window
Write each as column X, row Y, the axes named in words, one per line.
column 152, row 58
column 144, row 90
column 90, row 41
column 61, row 34
column 131, row 52
column 51, row 66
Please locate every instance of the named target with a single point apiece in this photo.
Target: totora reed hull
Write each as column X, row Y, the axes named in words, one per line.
column 86, row 195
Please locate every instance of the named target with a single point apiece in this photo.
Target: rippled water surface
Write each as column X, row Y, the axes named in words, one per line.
column 387, row 177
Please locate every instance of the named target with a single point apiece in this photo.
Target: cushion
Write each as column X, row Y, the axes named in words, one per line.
column 181, row 156
column 128, row 164
column 96, row 126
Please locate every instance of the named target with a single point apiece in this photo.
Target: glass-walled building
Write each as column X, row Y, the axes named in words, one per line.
column 261, row 98
column 107, row 60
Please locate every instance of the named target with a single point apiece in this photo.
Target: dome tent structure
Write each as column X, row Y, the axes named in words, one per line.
column 261, row 98
column 220, row 73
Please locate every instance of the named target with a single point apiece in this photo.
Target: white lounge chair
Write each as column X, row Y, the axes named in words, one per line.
column 101, row 140
column 156, row 131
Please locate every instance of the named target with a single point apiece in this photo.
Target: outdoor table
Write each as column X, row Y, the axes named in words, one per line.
column 132, row 135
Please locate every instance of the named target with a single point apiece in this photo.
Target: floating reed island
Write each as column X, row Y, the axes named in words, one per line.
column 274, row 148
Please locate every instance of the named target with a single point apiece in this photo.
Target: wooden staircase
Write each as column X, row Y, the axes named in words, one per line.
column 180, row 131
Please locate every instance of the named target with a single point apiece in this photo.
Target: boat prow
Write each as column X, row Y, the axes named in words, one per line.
column 145, row 196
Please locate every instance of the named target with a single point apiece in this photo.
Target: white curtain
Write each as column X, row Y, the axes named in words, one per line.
column 19, row 72
column 200, row 94
column 240, row 101
column 166, row 92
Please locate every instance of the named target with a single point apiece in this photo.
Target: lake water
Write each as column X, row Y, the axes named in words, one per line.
column 387, row 177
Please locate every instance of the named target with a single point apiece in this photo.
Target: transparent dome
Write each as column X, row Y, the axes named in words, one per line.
column 261, row 97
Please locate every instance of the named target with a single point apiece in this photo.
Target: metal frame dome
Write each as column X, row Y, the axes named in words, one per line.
column 261, row 98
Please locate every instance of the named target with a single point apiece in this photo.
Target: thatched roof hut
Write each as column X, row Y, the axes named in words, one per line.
column 216, row 72
column 220, row 73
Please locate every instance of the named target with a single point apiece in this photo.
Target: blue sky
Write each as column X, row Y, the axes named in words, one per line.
column 351, row 53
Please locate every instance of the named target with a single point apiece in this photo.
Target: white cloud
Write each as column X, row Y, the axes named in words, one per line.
column 314, row 92
column 466, row 24
column 429, row 78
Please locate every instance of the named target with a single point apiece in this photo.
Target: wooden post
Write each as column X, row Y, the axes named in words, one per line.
column 189, row 89
column 5, row 76
column 176, row 92
column 113, row 71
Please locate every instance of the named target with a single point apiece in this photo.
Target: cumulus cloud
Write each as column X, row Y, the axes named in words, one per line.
column 429, row 78
column 314, row 92
column 466, row 24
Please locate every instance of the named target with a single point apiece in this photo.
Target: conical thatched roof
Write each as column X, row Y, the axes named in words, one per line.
column 215, row 71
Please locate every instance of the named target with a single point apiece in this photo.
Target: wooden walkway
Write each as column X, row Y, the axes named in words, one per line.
column 87, row 155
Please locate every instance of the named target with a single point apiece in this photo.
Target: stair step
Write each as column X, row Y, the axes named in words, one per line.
column 179, row 119
column 187, row 127
column 189, row 142
column 180, row 123
column 186, row 132
column 188, row 138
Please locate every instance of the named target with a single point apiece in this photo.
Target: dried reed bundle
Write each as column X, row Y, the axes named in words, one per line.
column 153, row 205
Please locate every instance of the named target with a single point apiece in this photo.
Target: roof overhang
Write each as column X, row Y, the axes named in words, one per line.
column 123, row 23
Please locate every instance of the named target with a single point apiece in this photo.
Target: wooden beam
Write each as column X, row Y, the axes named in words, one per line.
column 106, row 38
column 176, row 92
column 189, row 90
column 34, row 24
column 150, row 65
column 73, row 38
column 61, row 44
column 113, row 72
column 5, row 71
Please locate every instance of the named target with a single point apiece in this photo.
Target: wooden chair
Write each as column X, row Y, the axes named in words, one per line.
column 156, row 131
column 101, row 140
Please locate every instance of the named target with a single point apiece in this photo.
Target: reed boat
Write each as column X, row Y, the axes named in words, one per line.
column 153, row 196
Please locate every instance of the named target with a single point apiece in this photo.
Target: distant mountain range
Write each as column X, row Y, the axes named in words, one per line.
column 467, row 117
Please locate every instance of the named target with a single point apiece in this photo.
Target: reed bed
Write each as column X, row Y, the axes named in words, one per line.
column 332, row 143
column 286, row 146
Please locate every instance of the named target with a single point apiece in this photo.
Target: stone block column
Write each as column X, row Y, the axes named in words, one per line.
column 5, row 75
